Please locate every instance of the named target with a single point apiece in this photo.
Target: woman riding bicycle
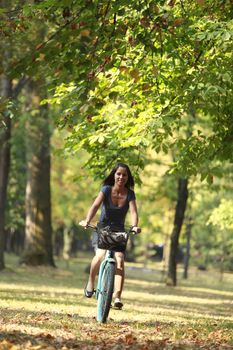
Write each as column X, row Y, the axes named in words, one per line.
column 116, row 197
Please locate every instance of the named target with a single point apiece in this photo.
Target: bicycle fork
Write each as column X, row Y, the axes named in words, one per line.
column 109, row 259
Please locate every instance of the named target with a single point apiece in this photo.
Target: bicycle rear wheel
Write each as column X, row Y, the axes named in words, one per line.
column 105, row 292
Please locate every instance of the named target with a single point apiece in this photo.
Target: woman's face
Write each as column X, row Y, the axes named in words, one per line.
column 121, row 176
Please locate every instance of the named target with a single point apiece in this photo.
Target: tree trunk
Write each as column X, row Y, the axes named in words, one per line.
column 38, row 235
column 178, row 221
column 187, row 253
column 5, row 134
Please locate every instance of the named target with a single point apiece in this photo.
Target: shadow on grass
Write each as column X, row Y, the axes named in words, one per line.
column 47, row 297
column 47, row 276
column 160, row 288
column 187, row 312
column 201, row 279
column 190, row 303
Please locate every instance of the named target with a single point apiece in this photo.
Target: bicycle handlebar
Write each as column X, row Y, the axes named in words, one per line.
column 96, row 227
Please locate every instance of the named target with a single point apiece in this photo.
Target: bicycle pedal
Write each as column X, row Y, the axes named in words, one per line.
column 115, row 308
column 118, row 306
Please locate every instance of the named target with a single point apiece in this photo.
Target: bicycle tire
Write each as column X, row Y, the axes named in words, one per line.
column 105, row 292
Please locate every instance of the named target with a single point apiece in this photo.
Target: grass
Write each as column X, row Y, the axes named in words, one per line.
column 44, row 308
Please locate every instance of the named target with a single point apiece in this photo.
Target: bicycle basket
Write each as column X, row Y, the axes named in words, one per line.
column 111, row 240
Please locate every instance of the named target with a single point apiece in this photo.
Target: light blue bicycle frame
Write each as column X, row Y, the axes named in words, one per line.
column 109, row 259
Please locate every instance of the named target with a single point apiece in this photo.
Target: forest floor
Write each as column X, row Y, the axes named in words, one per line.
column 44, row 308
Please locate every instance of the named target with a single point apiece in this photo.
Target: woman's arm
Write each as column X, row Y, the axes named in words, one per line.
column 93, row 209
column 134, row 215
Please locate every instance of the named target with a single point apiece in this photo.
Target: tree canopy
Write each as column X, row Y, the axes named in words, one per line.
column 128, row 76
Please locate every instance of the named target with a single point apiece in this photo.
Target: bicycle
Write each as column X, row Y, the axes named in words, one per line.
column 111, row 241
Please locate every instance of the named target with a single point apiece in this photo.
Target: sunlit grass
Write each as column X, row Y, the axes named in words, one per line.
column 49, row 303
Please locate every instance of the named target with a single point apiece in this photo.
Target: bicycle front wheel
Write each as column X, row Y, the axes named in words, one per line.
column 105, row 292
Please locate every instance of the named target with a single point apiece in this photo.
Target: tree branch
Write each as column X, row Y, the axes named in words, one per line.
column 21, row 83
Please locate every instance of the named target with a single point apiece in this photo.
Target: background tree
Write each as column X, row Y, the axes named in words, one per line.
column 38, row 234
column 188, row 232
column 6, row 92
column 178, row 221
column 15, row 211
column 8, row 95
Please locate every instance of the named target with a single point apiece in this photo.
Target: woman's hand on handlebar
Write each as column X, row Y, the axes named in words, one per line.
column 84, row 223
column 136, row 229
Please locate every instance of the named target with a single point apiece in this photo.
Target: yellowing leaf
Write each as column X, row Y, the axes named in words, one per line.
column 124, row 69
column 135, row 74
column 39, row 46
column 129, row 339
column 41, row 56
column 178, row 22
column 171, row 3
column 146, row 87
column 85, row 32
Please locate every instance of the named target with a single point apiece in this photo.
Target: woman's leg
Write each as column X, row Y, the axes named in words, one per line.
column 95, row 264
column 120, row 274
